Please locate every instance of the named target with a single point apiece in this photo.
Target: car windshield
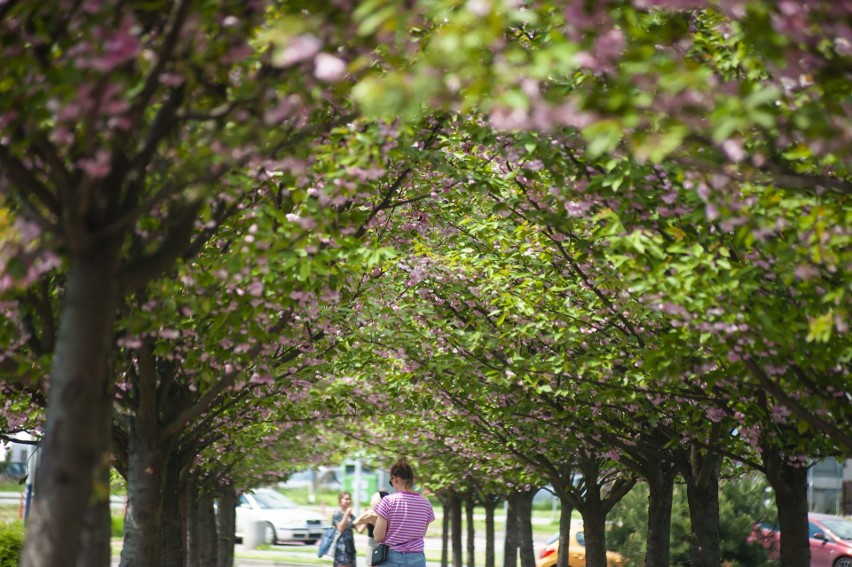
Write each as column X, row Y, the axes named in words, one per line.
column 273, row 500
column 840, row 528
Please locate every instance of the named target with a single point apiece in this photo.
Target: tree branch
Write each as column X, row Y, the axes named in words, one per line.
column 775, row 390
column 146, row 267
column 21, row 175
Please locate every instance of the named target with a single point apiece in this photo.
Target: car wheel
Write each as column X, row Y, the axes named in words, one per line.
column 310, row 541
column 270, row 538
column 843, row 562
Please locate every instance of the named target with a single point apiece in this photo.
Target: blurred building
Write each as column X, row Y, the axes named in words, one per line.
column 15, row 457
column 830, row 487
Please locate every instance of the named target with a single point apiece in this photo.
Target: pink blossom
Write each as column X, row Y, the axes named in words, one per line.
column 237, row 53
column 255, row 289
column 97, row 166
column 508, row 118
column 300, row 48
column 90, row 6
column 306, row 223
column 780, row 414
column 715, row 414
column 120, row 48
column 257, row 378
column 806, row 272
column 610, row 45
column 733, row 149
column 479, row 8
column 329, row 68
column 171, row 79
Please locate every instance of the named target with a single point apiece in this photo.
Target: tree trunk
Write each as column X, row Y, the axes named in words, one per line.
column 79, row 401
column 207, row 530
column 145, row 485
column 445, row 531
column 97, row 522
column 565, row 513
column 702, row 493
column 660, row 494
column 791, row 499
column 456, row 529
column 490, row 505
column 172, row 532
column 594, row 529
column 511, row 542
column 97, row 530
column 148, row 453
column 522, row 504
column 471, row 532
column 595, row 502
column 189, row 502
column 225, row 523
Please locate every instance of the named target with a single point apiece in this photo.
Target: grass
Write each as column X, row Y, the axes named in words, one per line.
column 8, row 514
column 11, row 486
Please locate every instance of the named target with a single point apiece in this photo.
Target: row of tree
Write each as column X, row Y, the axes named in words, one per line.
column 569, row 243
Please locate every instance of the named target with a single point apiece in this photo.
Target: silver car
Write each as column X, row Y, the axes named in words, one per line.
column 285, row 520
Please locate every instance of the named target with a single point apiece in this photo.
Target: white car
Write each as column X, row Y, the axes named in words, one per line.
column 285, row 520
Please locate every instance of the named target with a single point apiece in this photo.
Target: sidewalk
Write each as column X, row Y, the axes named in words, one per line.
column 306, row 556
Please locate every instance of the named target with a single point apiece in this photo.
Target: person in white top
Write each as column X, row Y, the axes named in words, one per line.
column 367, row 519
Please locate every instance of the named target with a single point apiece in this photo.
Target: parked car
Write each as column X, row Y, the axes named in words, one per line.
column 830, row 539
column 576, row 550
column 285, row 520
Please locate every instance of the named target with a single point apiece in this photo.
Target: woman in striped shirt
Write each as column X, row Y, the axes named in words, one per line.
column 402, row 519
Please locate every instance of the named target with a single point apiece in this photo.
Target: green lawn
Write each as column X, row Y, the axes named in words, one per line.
column 10, row 486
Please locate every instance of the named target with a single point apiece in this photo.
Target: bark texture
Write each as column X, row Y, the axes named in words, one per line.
column 145, row 486
column 490, row 505
column 445, row 531
column 456, row 529
column 521, row 503
column 511, row 542
column 225, row 525
column 172, row 532
column 598, row 493
column 189, row 503
column 79, row 405
column 97, row 528
column 97, row 521
column 565, row 513
column 791, row 499
column 660, row 480
column 207, row 530
column 471, row 533
column 702, row 493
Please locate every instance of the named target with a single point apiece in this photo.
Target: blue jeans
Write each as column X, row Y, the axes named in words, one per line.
column 417, row 559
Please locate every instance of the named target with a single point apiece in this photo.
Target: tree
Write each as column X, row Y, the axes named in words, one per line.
column 121, row 124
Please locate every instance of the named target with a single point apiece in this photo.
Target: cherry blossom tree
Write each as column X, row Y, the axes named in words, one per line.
column 122, row 127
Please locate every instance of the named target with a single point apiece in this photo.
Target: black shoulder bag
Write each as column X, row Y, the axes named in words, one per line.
column 380, row 554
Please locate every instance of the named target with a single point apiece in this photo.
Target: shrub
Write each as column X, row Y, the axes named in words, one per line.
column 117, row 524
column 742, row 502
column 11, row 543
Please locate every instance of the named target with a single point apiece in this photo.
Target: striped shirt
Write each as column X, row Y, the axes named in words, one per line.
column 408, row 514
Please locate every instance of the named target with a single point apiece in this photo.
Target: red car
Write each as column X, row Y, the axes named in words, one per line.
column 830, row 537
